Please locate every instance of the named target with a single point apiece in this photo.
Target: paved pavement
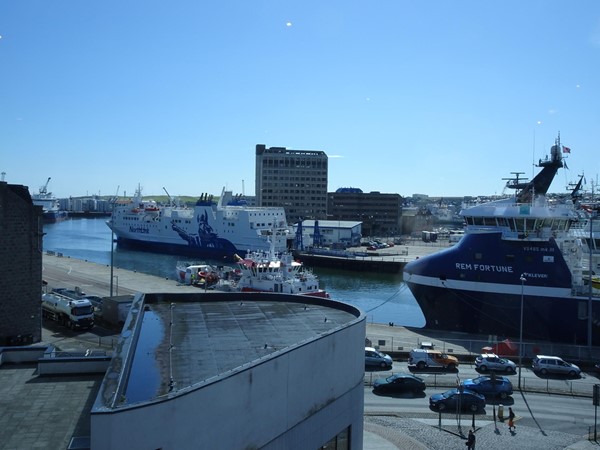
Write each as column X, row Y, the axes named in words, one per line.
column 387, row 433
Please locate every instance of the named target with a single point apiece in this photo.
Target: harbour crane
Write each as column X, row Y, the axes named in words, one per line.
column 44, row 188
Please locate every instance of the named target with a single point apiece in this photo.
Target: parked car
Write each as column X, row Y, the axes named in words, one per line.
column 423, row 358
column 491, row 361
column 490, row 386
column 544, row 365
column 399, row 382
column 374, row 358
column 469, row 400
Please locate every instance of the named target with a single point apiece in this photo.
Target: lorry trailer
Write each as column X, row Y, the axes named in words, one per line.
column 71, row 313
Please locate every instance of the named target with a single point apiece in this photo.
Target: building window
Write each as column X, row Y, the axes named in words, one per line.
column 339, row 442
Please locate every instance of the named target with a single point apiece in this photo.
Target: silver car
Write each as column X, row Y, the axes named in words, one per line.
column 491, row 361
column 374, row 358
column 544, row 365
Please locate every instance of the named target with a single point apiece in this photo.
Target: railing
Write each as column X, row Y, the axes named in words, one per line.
column 448, row 379
column 468, row 349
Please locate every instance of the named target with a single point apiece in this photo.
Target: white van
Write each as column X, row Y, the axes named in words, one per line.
column 423, row 358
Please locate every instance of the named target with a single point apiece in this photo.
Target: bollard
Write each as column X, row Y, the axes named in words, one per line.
column 501, row 412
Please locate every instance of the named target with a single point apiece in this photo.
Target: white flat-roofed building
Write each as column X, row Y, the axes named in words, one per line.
column 234, row 371
column 331, row 232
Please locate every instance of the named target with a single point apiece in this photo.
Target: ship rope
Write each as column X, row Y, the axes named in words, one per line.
column 391, row 297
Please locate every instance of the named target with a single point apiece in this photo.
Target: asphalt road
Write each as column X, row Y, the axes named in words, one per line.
column 563, row 413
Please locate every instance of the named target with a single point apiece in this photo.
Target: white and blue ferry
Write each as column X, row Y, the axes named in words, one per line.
column 214, row 230
column 517, row 254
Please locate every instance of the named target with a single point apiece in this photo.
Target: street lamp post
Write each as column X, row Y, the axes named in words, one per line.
column 112, row 241
column 589, row 321
column 112, row 252
column 522, row 278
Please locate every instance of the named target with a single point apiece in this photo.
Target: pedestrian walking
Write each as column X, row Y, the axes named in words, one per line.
column 511, row 419
column 470, row 441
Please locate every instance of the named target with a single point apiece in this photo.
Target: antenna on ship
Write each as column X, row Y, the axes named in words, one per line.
column 515, row 182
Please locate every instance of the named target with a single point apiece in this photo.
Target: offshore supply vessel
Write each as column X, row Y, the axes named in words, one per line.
column 519, row 259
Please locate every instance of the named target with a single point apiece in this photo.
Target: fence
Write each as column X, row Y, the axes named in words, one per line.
column 469, row 349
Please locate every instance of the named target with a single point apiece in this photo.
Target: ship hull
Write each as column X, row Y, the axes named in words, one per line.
column 224, row 250
column 54, row 216
column 554, row 319
column 476, row 287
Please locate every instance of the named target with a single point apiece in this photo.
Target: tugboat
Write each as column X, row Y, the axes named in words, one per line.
column 517, row 254
column 271, row 272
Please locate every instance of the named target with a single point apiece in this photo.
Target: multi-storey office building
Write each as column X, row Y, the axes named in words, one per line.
column 294, row 179
column 380, row 214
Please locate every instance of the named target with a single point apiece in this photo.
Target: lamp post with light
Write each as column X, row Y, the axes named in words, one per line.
column 523, row 279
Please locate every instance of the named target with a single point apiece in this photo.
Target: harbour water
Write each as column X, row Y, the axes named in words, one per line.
column 383, row 297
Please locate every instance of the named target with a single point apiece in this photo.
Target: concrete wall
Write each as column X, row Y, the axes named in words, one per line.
column 70, row 365
column 17, row 355
column 296, row 399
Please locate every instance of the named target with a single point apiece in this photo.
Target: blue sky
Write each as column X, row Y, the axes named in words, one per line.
column 433, row 97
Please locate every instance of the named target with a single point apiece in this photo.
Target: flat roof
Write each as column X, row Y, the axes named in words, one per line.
column 183, row 340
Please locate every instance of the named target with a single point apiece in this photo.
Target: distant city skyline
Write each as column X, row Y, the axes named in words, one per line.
column 436, row 98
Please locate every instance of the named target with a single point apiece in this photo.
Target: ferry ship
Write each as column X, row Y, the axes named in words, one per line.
column 518, row 255
column 214, row 230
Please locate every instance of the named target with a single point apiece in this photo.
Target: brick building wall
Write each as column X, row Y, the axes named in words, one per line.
column 20, row 266
column 380, row 214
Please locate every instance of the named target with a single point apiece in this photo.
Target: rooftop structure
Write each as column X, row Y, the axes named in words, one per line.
column 201, row 365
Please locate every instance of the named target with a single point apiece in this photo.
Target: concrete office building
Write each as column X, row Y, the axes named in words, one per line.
column 294, row 179
column 20, row 266
column 234, row 371
column 380, row 214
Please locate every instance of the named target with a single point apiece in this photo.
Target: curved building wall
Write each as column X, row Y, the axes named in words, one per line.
column 297, row 398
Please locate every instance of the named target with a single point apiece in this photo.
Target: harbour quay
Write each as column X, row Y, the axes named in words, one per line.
column 388, row 260
column 381, row 431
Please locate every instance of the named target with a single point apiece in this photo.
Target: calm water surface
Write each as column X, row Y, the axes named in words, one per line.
column 383, row 297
